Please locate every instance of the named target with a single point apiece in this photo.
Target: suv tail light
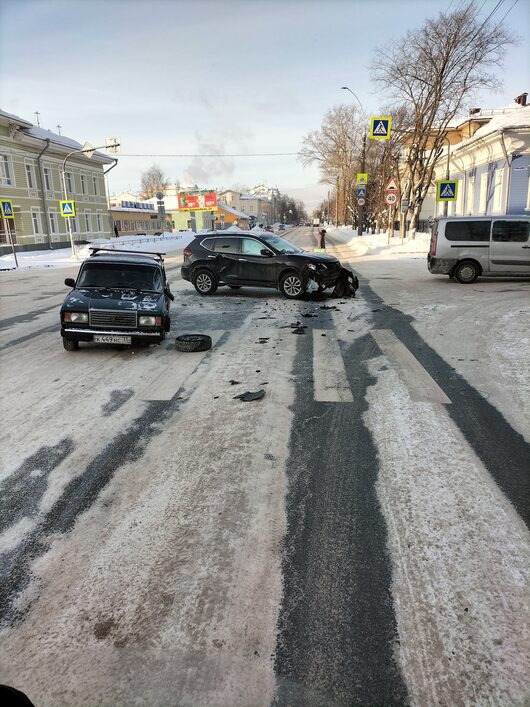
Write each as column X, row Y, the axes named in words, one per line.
column 187, row 251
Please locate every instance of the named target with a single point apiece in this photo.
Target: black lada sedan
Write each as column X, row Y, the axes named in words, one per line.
column 119, row 297
column 263, row 260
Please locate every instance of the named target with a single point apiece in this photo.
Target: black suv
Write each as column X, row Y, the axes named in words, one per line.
column 120, row 297
column 263, row 260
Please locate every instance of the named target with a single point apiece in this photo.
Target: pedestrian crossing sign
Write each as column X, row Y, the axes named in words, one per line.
column 7, row 209
column 380, row 127
column 67, row 207
column 361, row 191
column 447, row 190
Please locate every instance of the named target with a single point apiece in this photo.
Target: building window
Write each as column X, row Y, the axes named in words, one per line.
column 6, row 171
column 470, row 196
column 95, row 182
column 88, row 227
column 483, row 198
column 30, row 176
column 47, row 179
column 497, row 190
column 69, row 182
column 98, row 222
column 83, row 184
column 53, row 222
column 35, row 218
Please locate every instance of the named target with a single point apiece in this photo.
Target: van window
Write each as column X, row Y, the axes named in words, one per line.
column 467, row 230
column 510, row 231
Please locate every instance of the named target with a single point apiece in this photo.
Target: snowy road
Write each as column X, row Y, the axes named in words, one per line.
column 359, row 536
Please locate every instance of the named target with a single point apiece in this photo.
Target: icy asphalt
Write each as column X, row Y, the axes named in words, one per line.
column 360, row 536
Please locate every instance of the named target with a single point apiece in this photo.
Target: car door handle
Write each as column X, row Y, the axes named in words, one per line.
column 242, row 260
column 212, row 256
column 526, row 246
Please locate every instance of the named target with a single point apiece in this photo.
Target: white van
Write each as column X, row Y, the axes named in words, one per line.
column 465, row 247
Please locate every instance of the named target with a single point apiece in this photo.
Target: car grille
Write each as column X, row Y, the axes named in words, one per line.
column 104, row 318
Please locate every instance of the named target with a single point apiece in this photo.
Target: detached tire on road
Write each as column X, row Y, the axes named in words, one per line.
column 466, row 272
column 291, row 285
column 204, row 282
column 193, row 342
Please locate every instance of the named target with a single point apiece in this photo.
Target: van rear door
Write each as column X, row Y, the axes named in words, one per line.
column 510, row 246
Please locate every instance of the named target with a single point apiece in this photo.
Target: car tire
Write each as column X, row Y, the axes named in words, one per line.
column 204, row 282
column 70, row 344
column 193, row 342
column 291, row 285
column 466, row 272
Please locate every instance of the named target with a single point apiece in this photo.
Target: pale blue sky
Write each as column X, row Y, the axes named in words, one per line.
column 205, row 76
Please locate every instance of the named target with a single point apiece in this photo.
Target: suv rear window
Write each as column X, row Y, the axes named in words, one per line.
column 467, row 230
column 226, row 245
column 510, row 231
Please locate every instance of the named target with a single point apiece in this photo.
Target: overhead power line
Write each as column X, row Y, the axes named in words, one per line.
column 243, row 154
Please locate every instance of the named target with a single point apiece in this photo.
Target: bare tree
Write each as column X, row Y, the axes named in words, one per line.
column 335, row 148
column 431, row 73
column 152, row 181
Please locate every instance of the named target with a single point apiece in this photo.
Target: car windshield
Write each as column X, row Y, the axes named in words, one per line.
column 281, row 245
column 120, row 276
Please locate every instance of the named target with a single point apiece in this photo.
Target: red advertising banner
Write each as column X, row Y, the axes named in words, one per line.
column 198, row 202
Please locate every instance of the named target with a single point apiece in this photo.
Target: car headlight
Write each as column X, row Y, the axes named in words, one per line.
column 145, row 320
column 80, row 317
column 312, row 267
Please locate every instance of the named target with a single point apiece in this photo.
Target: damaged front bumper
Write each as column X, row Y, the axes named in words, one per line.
column 342, row 280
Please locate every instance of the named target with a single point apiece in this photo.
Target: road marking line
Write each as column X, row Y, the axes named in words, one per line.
column 330, row 382
column 421, row 387
column 169, row 379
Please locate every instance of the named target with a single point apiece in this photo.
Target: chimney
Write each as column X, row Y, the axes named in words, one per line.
column 521, row 100
column 474, row 111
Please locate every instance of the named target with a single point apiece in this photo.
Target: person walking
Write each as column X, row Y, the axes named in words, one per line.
column 322, row 239
column 116, row 232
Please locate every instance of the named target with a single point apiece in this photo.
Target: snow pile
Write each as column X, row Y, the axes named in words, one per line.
column 377, row 243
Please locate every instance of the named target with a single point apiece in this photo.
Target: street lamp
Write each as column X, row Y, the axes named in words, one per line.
column 363, row 157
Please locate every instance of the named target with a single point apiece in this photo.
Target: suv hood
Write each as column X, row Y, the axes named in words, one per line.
column 103, row 298
column 315, row 257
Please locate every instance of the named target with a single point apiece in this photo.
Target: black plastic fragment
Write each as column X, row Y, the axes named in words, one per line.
column 249, row 396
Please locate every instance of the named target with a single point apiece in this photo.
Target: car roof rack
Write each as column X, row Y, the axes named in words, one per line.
column 97, row 249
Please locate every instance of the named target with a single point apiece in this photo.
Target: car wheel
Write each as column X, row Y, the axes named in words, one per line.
column 204, row 282
column 193, row 342
column 70, row 344
column 466, row 272
column 291, row 285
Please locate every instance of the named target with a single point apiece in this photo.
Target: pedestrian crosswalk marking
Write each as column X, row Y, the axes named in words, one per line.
column 330, row 381
column 420, row 385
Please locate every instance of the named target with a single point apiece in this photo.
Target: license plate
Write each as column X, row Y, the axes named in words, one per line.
column 110, row 339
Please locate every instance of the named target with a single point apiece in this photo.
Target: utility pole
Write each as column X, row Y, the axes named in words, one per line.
column 447, row 176
column 337, row 204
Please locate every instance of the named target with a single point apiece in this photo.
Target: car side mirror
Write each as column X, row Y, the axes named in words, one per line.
column 170, row 295
column 266, row 253
column 70, row 282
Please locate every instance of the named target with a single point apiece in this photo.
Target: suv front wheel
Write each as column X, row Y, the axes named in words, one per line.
column 204, row 282
column 291, row 285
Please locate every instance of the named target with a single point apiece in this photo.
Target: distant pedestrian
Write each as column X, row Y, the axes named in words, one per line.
column 116, row 232
column 322, row 239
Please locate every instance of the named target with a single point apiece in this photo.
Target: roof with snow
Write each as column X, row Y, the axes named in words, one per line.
column 239, row 214
column 516, row 119
column 34, row 131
